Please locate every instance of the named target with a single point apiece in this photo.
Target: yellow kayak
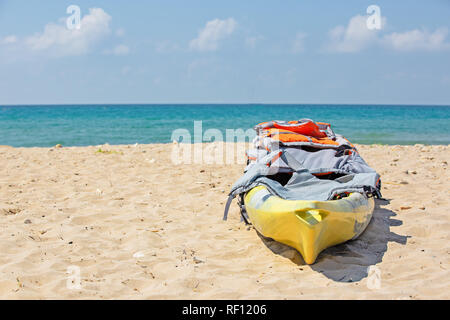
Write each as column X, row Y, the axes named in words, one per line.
column 306, row 225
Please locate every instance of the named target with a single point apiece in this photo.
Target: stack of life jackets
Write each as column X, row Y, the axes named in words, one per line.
column 304, row 160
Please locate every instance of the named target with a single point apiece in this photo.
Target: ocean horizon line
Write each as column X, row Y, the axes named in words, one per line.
column 221, row 104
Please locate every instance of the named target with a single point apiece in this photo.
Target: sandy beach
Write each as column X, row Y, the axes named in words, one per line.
column 136, row 226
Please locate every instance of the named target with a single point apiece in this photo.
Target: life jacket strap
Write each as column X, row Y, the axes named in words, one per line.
column 243, row 212
column 291, row 161
column 227, row 206
column 244, row 216
column 373, row 192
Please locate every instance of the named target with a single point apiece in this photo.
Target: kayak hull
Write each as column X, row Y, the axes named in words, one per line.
column 306, row 225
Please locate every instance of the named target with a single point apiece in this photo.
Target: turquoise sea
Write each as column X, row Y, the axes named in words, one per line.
column 81, row 125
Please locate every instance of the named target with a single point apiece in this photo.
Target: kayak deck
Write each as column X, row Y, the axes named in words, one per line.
column 306, row 225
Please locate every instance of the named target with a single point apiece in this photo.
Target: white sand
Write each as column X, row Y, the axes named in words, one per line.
column 146, row 229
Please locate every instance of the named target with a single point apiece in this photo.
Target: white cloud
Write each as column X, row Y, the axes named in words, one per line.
column 61, row 41
column 355, row 37
column 8, row 39
column 415, row 40
column 298, row 44
column 214, row 31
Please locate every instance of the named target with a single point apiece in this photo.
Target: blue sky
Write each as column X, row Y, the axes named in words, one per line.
column 224, row 52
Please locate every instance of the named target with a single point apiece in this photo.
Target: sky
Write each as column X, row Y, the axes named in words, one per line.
column 255, row 51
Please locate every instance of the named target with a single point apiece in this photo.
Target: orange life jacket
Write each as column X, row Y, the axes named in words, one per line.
column 299, row 132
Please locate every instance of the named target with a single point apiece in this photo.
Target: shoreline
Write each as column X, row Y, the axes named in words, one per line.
column 137, row 226
column 207, row 143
